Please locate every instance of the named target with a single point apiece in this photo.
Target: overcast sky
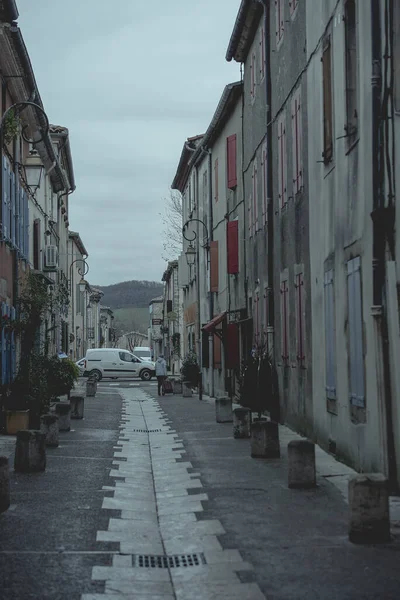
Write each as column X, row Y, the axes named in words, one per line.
column 131, row 80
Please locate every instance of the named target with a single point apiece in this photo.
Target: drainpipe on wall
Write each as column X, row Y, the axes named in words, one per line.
column 383, row 218
column 211, row 299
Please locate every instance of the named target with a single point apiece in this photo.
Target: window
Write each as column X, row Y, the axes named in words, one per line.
column 327, row 100
column 351, row 66
column 232, row 353
column 297, row 143
column 253, row 77
column 6, row 200
column 266, row 316
column 125, row 356
column 293, row 4
column 300, row 319
column 285, row 322
column 36, row 244
column 330, row 335
column 169, row 306
column 217, row 352
column 262, row 54
column 282, row 171
column 232, row 235
column 205, row 188
column 264, row 175
column 190, row 197
column 279, row 21
column 254, row 179
column 214, row 275
column 205, row 349
column 231, row 161
column 216, row 180
column 257, row 318
column 355, row 333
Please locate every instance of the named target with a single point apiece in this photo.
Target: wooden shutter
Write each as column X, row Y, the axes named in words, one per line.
column 36, row 244
column 214, row 275
column 217, row 352
column 264, row 169
column 231, row 161
column 300, row 321
column 13, row 209
column 205, row 349
column 169, row 306
column 5, row 200
column 232, row 232
column 355, row 331
column 330, row 334
column 255, row 197
column 327, row 100
column 296, row 143
column 284, row 322
column 232, row 356
column 262, row 53
column 282, row 172
column 279, row 20
column 26, row 225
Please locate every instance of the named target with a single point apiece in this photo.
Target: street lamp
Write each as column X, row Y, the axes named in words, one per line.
column 33, row 172
column 82, row 285
column 191, row 255
column 206, row 245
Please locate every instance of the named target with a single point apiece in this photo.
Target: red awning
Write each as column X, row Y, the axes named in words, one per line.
column 214, row 322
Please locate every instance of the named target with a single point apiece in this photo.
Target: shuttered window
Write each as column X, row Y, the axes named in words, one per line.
column 297, row 143
column 279, row 21
column 262, row 54
column 264, row 176
column 232, row 234
column 214, row 274
column 350, row 23
column 330, row 335
column 232, row 355
column 327, row 99
column 293, row 4
column 216, row 181
column 217, row 352
column 6, row 200
column 13, row 209
column 266, row 317
column 36, row 244
column 355, row 333
column 169, row 306
column 231, row 161
column 257, row 318
column 285, row 322
column 300, row 320
column 282, row 170
column 253, row 77
column 205, row 349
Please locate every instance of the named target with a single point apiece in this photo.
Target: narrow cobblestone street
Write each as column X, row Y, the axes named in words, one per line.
column 149, row 499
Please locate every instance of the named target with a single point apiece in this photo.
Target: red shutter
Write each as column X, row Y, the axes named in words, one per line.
column 217, row 352
column 232, row 357
column 231, row 161
column 214, row 266
column 232, row 232
column 36, row 244
column 216, row 180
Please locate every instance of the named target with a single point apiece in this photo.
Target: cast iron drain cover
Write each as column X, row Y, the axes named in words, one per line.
column 168, row 562
column 146, row 430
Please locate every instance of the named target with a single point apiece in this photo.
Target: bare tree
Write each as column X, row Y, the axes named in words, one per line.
column 172, row 225
column 133, row 339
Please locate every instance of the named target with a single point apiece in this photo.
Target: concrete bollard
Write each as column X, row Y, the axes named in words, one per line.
column 77, row 407
column 63, row 411
column 369, row 509
column 187, row 390
column 177, row 386
column 4, row 484
column 301, row 471
column 265, row 439
column 241, row 423
column 49, row 426
column 30, row 451
column 91, row 387
column 223, row 410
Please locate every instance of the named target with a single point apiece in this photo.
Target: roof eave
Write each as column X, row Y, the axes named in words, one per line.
column 243, row 30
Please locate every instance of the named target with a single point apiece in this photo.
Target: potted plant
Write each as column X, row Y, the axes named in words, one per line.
column 190, row 370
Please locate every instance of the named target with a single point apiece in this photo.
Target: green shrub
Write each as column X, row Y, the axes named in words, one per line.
column 190, row 369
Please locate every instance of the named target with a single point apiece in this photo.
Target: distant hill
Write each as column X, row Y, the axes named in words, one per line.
column 130, row 303
column 129, row 294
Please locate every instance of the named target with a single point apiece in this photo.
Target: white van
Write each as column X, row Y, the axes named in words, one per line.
column 116, row 362
column 143, row 352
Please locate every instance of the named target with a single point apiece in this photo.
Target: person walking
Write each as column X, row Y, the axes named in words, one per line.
column 161, row 373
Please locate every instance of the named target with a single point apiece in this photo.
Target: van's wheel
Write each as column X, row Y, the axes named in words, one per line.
column 95, row 374
column 145, row 375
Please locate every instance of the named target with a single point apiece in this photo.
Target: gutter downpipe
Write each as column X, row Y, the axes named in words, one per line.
column 211, row 299
column 380, row 232
column 198, row 280
column 275, row 408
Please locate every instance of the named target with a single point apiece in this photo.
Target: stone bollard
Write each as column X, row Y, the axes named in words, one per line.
column 77, row 407
column 301, row 457
column 223, row 409
column 4, row 484
column 241, row 423
column 369, row 509
column 265, row 439
column 187, row 390
column 91, row 387
column 49, row 426
column 30, row 451
column 63, row 411
column 177, row 386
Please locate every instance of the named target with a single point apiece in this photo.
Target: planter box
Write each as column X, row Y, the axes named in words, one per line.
column 16, row 420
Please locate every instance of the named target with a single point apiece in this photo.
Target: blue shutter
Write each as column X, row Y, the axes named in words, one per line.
column 357, row 383
column 17, row 214
column 5, row 200
column 13, row 348
column 12, row 207
column 330, row 334
column 3, row 347
column 26, row 226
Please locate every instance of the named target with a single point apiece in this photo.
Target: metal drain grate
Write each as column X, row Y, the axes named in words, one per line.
column 146, row 430
column 169, row 562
